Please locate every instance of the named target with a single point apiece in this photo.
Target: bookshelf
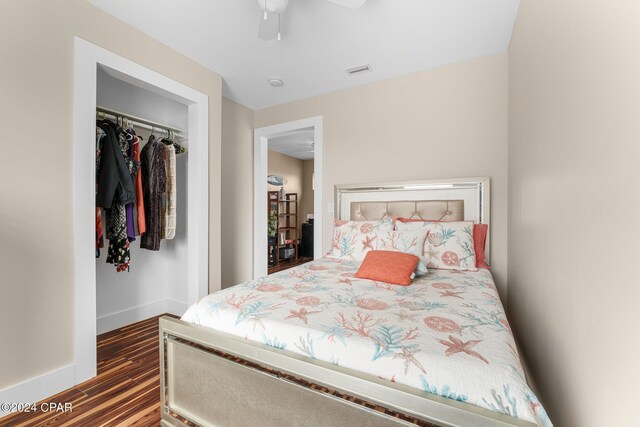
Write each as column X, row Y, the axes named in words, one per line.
column 283, row 218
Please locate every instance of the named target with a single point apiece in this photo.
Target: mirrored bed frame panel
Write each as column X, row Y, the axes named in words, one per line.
column 210, row 378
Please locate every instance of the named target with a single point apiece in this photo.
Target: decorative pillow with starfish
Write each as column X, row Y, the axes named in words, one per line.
column 353, row 239
column 448, row 246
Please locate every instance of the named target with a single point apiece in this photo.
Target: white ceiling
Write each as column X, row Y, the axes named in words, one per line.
column 320, row 39
column 295, row 143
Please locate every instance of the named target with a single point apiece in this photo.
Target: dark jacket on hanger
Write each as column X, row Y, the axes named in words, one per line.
column 154, row 185
column 114, row 181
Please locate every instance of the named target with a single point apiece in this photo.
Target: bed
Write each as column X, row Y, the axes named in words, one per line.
column 314, row 345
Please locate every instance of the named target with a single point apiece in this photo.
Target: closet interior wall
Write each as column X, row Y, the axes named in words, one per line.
column 157, row 280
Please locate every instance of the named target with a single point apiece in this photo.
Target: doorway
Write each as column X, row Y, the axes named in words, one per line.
column 287, row 195
column 290, row 202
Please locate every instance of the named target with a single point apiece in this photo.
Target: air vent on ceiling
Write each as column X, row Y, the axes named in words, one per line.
column 359, row 69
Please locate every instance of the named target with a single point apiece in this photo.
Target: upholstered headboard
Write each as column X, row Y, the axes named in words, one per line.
column 441, row 200
column 438, row 210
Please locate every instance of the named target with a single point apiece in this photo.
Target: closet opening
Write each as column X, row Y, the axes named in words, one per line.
column 143, row 272
column 171, row 271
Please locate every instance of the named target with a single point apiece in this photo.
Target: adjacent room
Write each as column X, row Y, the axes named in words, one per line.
column 290, row 199
column 319, row 213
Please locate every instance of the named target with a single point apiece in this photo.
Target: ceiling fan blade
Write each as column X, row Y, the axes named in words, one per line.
column 268, row 29
column 352, row 4
column 273, row 6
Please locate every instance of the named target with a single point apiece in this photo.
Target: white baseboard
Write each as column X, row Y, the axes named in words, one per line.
column 39, row 388
column 112, row 321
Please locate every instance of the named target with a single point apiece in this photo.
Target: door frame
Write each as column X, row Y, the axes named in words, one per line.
column 260, row 171
column 87, row 58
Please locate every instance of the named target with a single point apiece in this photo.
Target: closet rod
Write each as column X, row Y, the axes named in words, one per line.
column 139, row 121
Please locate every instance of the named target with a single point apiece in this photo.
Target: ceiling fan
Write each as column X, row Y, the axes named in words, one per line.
column 269, row 27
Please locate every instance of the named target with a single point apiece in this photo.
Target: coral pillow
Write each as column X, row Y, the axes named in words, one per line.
column 388, row 266
column 479, row 243
column 479, row 239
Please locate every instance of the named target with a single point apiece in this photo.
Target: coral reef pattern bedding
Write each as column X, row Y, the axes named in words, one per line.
column 445, row 334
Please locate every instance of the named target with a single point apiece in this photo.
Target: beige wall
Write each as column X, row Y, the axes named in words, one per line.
column 237, row 193
column 237, row 190
column 307, row 201
column 574, row 199
column 36, row 224
column 287, row 166
column 442, row 123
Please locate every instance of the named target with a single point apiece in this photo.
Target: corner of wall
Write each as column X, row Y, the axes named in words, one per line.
column 237, row 192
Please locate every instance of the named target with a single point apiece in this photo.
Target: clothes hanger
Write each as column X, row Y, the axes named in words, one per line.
column 177, row 143
column 124, row 126
column 167, row 140
column 101, row 115
column 172, row 140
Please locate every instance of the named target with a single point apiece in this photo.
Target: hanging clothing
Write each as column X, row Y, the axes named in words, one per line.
column 99, row 232
column 154, row 185
column 142, row 226
column 131, row 232
column 118, row 253
column 116, row 171
column 114, row 182
column 169, row 215
column 100, row 134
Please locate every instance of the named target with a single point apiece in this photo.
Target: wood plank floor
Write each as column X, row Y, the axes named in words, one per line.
column 126, row 391
column 289, row 264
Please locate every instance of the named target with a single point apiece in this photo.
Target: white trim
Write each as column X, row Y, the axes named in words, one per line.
column 260, row 240
column 260, row 164
column 318, row 208
column 87, row 58
column 41, row 387
column 111, row 321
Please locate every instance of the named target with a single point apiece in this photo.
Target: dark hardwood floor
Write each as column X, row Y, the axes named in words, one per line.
column 126, row 391
column 289, row 264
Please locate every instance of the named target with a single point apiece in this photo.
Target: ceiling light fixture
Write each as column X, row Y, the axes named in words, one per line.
column 276, row 82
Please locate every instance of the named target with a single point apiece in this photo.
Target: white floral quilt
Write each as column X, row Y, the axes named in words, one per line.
column 445, row 334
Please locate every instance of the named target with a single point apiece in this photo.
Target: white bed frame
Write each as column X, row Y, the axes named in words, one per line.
column 210, row 378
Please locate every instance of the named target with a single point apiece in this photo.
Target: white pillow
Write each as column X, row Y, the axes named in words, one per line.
column 353, row 239
column 407, row 241
column 448, row 246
